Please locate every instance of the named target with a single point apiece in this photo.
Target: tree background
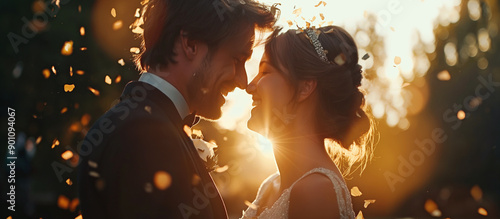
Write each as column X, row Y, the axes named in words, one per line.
column 457, row 179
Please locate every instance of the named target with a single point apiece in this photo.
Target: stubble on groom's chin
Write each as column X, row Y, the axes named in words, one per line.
column 204, row 99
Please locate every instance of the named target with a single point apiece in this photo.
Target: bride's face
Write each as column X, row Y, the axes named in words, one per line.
column 271, row 93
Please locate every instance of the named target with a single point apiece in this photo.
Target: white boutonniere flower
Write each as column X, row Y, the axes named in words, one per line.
column 206, row 150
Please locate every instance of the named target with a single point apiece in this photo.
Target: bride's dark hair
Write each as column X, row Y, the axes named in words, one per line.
column 342, row 117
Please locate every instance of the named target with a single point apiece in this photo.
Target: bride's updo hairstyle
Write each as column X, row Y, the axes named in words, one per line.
column 342, row 118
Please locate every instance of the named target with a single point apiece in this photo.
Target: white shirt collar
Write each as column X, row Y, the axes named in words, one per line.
column 169, row 90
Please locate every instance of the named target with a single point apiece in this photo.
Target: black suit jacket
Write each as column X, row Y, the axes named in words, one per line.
column 137, row 162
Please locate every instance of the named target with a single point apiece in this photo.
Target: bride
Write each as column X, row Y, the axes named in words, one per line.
column 308, row 102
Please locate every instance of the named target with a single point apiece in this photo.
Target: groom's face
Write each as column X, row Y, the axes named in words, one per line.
column 220, row 73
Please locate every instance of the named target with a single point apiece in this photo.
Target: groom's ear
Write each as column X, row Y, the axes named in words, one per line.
column 306, row 88
column 190, row 47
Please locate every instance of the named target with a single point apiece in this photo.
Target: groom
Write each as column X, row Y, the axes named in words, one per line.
column 137, row 160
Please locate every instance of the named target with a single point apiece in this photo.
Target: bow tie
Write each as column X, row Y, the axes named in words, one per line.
column 191, row 120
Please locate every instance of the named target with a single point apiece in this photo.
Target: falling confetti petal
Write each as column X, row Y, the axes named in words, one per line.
column 393, row 29
column 74, row 203
column 94, row 91
column 54, row 70
column 82, row 31
column 118, row 79
column 297, row 11
column 135, row 50
column 320, row 3
column 79, row 8
column 107, row 79
column 148, row 187
column 83, row 48
column 85, row 120
column 368, row 202
column 250, row 205
column 67, row 155
column 476, row 192
column 148, row 109
column 69, row 87
column 290, row 23
column 162, row 180
column 121, row 62
column 69, row 182
column 461, row 115
column 397, row 60
column 38, row 140
column 196, row 180
column 482, row 211
column 80, row 72
column 366, row 56
column 444, row 75
column 75, row 127
column 355, row 191
column 63, row 202
column 55, row 143
column 340, row 59
column 432, row 208
column 137, row 12
column 113, row 12
column 70, row 71
column 360, row 215
column 46, row 73
column 67, row 49
column 322, row 16
column 63, row 110
column 117, row 25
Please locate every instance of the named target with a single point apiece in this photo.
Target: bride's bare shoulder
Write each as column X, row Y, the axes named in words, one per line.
column 313, row 197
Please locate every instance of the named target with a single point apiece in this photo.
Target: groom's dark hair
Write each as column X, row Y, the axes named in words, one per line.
column 210, row 21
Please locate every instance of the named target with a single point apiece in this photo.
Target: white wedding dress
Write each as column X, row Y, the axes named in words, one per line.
column 280, row 208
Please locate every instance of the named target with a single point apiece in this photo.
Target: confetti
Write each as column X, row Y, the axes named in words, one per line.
column 75, row 127
column 444, row 75
column 297, row 11
column 70, row 71
column 63, row 202
column 83, row 48
column 393, row 29
column 54, row 70
column 148, row 109
column 476, row 192
column 290, row 23
column 107, row 79
column 64, row 109
column 360, row 215
column 196, row 180
column 397, row 60
column 46, row 73
column 432, row 208
column 85, row 120
column 320, row 3
column 38, row 140
column 67, row 155
column 79, row 8
column 137, row 12
column 117, row 25
column 69, row 182
column 250, row 205
column 148, row 187
column 121, row 62
column 368, row 202
column 94, row 91
column 69, row 87
column 82, row 31
column 162, row 180
column 366, row 56
column 322, row 16
column 80, row 72
column 113, row 12
column 482, row 211
column 355, row 191
column 67, row 48
column 135, row 50
column 461, row 115
column 74, row 203
column 118, row 79
column 340, row 59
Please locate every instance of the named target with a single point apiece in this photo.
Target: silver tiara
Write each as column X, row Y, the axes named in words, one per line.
column 313, row 35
